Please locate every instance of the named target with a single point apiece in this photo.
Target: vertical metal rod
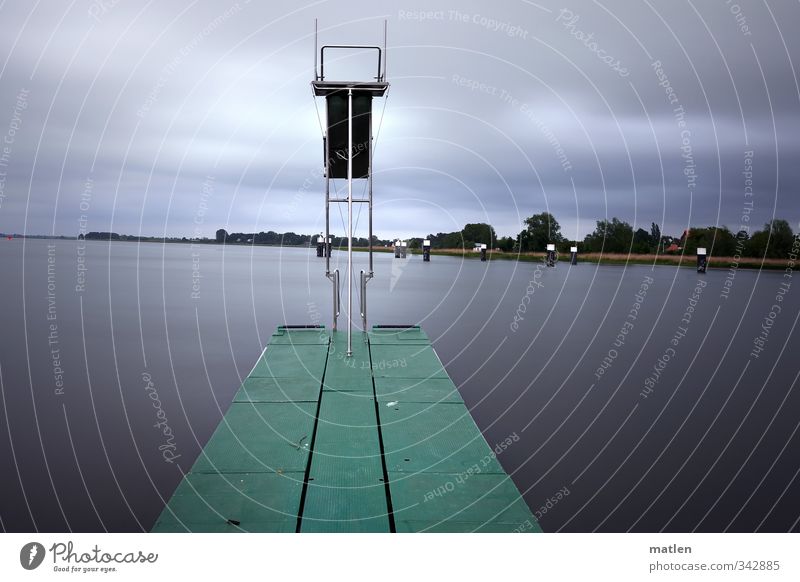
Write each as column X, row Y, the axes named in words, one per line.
column 385, row 54
column 335, row 280
column 350, row 222
column 366, row 277
column 364, row 301
column 370, row 198
column 316, row 71
column 327, row 208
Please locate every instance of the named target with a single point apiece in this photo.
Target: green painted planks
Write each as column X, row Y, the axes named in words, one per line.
column 278, row 390
column 348, row 374
column 450, row 526
column 260, row 437
column 292, row 361
column 345, row 494
column 358, row 523
column 406, row 361
column 347, row 426
column 433, row 437
column 416, row 390
column 253, row 468
column 263, row 502
column 463, row 502
column 346, row 491
column 299, row 336
column 397, row 335
column 443, row 476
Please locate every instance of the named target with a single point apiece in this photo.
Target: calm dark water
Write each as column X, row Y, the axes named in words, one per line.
column 692, row 424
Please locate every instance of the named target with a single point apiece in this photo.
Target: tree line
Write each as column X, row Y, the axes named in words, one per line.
column 613, row 235
column 774, row 240
column 288, row 239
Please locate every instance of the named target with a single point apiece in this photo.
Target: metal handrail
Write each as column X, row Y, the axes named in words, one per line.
column 365, row 278
column 363, row 300
column 379, row 76
column 336, row 299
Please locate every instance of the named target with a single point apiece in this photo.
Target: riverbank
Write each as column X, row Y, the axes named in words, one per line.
column 594, row 258
column 612, row 258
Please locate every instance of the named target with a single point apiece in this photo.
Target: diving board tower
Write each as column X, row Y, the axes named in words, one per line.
column 348, row 146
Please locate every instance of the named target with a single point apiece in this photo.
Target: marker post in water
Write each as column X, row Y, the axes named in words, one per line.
column 551, row 255
column 397, row 249
column 702, row 260
column 426, row 251
column 403, row 249
column 573, row 255
column 320, row 246
column 483, row 252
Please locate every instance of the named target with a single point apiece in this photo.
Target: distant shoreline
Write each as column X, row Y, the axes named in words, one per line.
column 615, row 259
column 134, row 239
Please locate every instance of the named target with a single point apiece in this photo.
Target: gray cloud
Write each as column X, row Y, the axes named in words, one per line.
column 495, row 112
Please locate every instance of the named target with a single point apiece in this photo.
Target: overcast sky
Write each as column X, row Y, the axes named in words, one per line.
column 183, row 117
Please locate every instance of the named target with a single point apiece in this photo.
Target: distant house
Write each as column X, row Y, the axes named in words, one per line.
column 672, row 248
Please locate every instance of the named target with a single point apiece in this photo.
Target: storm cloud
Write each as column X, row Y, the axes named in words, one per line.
column 179, row 118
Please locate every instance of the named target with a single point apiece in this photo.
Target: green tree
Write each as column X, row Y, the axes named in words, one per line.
column 453, row 240
column 479, row 233
column 775, row 241
column 781, row 238
column 655, row 237
column 718, row 240
column 540, row 229
column 641, row 241
column 610, row 236
column 506, row 244
column 445, row 240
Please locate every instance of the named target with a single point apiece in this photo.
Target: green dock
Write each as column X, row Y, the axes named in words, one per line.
column 316, row 441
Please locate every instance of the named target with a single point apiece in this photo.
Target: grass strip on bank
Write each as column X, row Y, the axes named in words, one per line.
column 609, row 258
